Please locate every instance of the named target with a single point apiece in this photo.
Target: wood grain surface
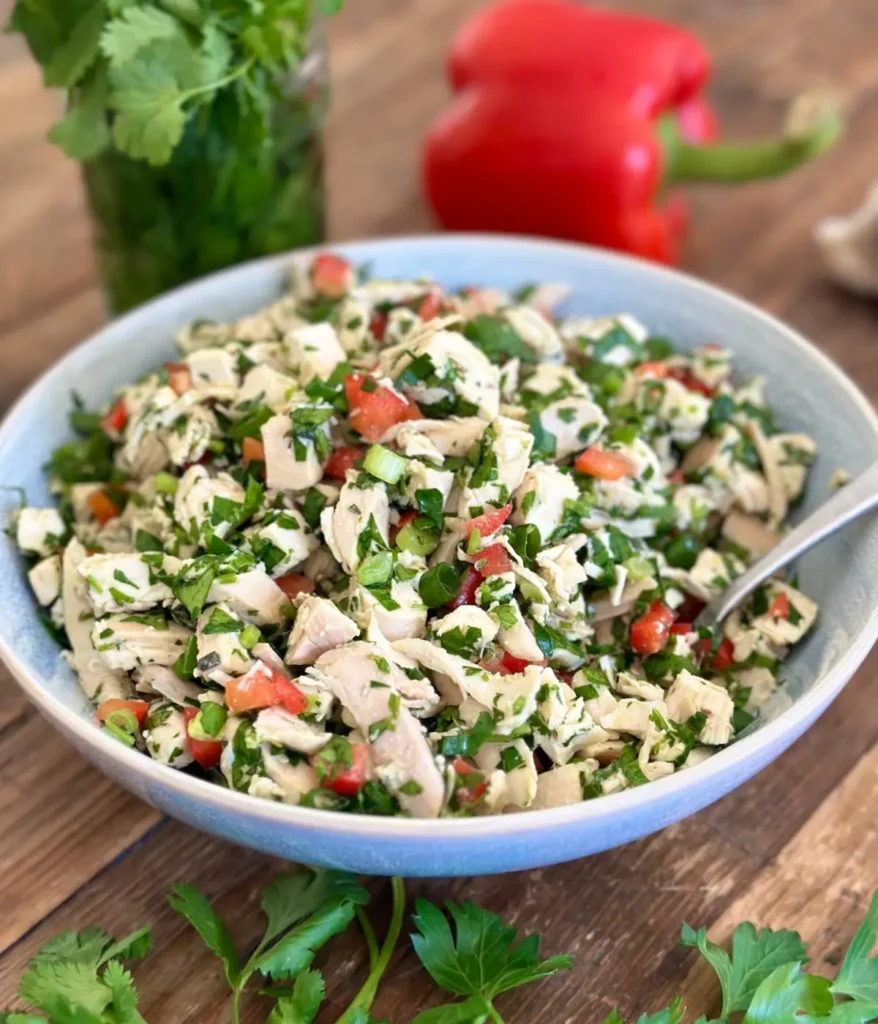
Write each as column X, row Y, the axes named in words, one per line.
column 797, row 846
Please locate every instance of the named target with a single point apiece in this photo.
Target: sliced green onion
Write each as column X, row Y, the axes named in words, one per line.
column 250, row 635
column 122, row 725
column 639, row 568
column 376, row 569
column 418, row 542
column 384, row 464
column 438, row 586
column 474, row 543
column 165, row 483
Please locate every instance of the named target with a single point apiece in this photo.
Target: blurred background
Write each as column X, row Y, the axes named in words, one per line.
column 387, row 62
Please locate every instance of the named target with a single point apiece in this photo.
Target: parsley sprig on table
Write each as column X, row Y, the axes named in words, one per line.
column 137, row 71
column 80, row 977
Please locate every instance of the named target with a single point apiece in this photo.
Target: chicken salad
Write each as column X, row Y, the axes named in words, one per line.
column 392, row 549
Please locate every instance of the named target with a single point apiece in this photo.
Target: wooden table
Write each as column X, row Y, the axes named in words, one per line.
column 797, row 846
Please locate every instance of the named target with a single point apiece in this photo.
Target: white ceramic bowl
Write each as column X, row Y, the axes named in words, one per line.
column 808, row 391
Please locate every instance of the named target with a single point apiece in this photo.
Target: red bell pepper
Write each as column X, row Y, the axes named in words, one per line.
column 573, row 122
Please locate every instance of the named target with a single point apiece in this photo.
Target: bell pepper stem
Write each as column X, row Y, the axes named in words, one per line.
column 813, row 125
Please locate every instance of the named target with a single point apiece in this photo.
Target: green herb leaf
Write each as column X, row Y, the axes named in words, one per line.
column 497, row 339
column 295, row 950
column 135, row 28
column 184, row 666
column 471, row 1011
column 754, row 956
column 193, row 584
column 194, row 906
column 545, row 443
column 858, row 974
column 123, row 995
column 302, row 1006
column 290, row 898
column 83, row 133
column 786, row 993
column 483, row 958
column 78, row 48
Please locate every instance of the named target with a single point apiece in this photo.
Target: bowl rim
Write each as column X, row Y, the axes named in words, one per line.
column 790, row 722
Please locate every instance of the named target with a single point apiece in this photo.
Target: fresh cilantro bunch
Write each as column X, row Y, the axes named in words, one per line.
column 136, row 72
column 79, row 978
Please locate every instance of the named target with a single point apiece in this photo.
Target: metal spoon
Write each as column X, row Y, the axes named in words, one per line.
column 851, row 502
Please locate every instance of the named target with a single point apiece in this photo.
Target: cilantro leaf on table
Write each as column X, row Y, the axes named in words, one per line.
column 195, row 907
column 786, row 993
column 858, row 974
column 292, row 897
column 672, row 1014
column 77, row 978
column 754, row 956
column 303, row 1003
column 123, row 994
column 294, row 951
column 303, row 912
column 482, row 960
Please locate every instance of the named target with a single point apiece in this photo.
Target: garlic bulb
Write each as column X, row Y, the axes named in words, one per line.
column 849, row 246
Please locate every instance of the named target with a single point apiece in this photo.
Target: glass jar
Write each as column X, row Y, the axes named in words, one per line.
column 222, row 198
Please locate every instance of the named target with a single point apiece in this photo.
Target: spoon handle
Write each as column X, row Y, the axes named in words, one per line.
column 849, row 503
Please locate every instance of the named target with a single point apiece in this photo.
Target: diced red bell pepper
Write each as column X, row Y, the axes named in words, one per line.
column 207, row 753
column 603, row 464
column 470, row 583
column 138, row 708
column 652, row 370
column 294, row 584
column 468, row 794
column 373, row 412
column 256, row 689
column 289, row 695
column 102, row 507
column 331, row 276
column 179, row 377
column 264, row 687
column 116, row 418
column 252, row 450
column 341, row 460
column 513, row 664
column 431, row 305
column 690, row 381
column 378, row 325
column 488, row 522
column 780, row 607
column 349, row 781
column 690, row 609
column 649, row 633
column 493, row 560
column 724, row 657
